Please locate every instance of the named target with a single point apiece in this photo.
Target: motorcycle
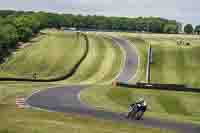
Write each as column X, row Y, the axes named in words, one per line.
column 136, row 111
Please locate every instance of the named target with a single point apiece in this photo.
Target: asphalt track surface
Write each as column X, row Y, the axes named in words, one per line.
column 66, row 99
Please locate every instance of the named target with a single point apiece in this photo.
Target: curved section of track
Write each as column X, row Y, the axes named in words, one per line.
column 131, row 62
column 65, row 99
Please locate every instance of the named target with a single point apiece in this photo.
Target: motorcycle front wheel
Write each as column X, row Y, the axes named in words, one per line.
column 138, row 115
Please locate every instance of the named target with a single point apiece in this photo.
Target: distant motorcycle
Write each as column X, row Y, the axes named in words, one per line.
column 136, row 110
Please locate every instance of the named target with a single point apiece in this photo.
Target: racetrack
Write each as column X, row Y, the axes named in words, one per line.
column 66, row 99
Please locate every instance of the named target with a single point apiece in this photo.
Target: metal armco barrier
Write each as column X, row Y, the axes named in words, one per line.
column 154, row 86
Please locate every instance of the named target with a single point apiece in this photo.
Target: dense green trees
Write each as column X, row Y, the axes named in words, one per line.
column 197, row 29
column 188, row 29
column 19, row 26
column 8, row 35
column 170, row 28
column 36, row 21
column 8, row 39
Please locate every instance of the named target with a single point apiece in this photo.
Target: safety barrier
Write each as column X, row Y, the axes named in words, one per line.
column 155, row 86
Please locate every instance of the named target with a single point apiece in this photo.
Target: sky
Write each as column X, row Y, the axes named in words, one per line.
column 185, row 11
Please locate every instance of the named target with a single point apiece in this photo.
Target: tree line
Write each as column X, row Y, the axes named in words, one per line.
column 189, row 29
column 20, row 26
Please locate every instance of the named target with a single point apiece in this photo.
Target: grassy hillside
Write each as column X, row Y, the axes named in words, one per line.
column 52, row 54
column 176, row 64
column 171, row 63
column 55, row 53
column 103, row 63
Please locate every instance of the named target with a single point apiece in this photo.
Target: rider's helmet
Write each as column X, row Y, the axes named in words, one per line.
column 140, row 100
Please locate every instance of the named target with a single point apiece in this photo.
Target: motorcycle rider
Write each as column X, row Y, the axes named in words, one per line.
column 140, row 104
